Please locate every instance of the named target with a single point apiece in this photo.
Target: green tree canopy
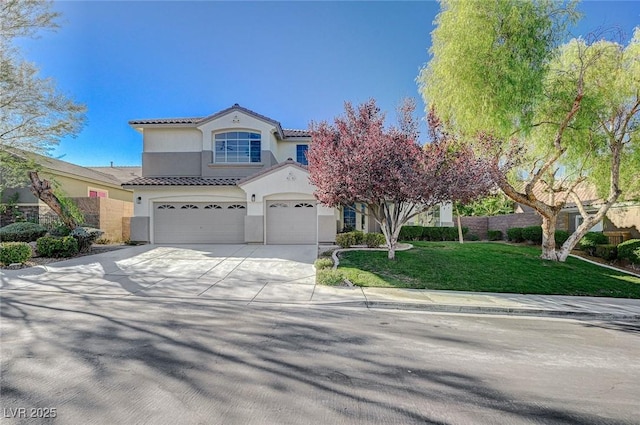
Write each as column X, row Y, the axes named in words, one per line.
column 555, row 115
column 489, row 60
column 34, row 115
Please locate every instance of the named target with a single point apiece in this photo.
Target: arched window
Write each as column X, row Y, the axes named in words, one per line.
column 236, row 207
column 212, row 207
column 166, row 207
column 189, row 207
column 237, row 147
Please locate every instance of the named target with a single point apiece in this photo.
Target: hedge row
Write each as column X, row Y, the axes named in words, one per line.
column 357, row 237
column 422, row 233
column 533, row 234
column 627, row 251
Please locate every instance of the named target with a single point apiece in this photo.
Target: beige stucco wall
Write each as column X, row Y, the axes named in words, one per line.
column 286, row 183
column 238, row 121
column 172, row 140
column 288, row 149
column 77, row 187
column 189, row 151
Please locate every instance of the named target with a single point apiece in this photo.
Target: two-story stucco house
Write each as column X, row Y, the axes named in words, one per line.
column 232, row 177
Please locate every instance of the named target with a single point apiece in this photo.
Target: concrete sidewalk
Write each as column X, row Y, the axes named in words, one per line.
column 275, row 275
column 486, row 303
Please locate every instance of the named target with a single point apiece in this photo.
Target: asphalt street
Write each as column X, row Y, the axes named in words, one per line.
column 103, row 360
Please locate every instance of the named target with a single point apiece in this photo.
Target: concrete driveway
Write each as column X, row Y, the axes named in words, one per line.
column 270, row 273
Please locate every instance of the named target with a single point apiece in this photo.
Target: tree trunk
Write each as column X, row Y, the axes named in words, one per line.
column 391, row 255
column 460, row 235
column 549, row 238
column 43, row 190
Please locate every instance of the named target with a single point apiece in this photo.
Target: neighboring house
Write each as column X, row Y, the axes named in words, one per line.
column 232, row 177
column 98, row 192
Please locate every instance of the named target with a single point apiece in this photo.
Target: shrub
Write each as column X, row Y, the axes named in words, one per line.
column 21, row 232
column 532, row 234
column 103, row 241
column 472, row 237
column 608, row 252
column 374, row 240
column 561, row 237
column 345, row 240
column 329, row 277
column 442, row 233
column 514, row 234
column 49, row 246
column 630, row 250
column 494, row 235
column 432, row 233
column 410, row 233
column 590, row 240
column 358, row 237
column 60, row 230
column 323, row 263
column 85, row 236
column 14, row 252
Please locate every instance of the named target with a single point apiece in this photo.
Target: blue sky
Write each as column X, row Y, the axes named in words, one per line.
column 292, row 61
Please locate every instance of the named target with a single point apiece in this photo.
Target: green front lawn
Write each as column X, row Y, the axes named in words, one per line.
column 485, row 267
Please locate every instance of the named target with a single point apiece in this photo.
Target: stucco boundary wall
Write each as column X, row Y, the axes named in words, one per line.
column 480, row 225
column 108, row 215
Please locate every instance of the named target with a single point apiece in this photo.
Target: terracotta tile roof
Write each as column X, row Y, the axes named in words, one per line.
column 193, row 120
column 288, row 132
column 235, row 107
column 181, row 181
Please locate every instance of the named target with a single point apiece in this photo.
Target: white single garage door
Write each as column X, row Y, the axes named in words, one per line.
column 199, row 222
column 292, row 222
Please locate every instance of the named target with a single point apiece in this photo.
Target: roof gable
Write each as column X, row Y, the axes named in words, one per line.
column 198, row 121
column 288, row 163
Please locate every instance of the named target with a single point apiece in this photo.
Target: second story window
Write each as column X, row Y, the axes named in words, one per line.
column 301, row 154
column 237, row 147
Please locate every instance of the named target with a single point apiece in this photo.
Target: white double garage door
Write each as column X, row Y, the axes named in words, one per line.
column 287, row 222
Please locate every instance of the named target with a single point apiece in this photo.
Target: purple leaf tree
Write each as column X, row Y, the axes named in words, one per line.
column 358, row 159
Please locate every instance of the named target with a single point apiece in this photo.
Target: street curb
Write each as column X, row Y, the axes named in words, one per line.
column 531, row 312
